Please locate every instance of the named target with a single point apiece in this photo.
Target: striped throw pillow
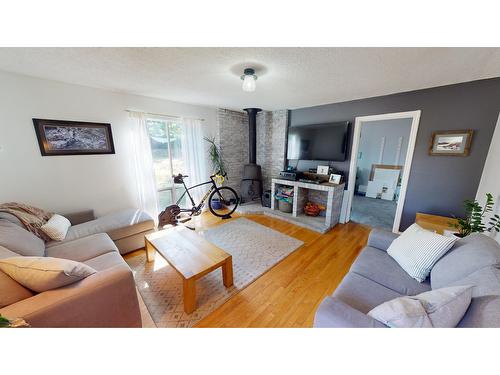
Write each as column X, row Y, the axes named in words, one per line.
column 417, row 250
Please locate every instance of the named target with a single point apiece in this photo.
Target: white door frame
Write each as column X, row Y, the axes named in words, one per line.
column 364, row 120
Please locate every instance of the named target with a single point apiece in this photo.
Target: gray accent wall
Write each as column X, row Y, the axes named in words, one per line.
column 438, row 184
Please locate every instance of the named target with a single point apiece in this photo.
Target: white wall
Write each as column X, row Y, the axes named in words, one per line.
column 371, row 141
column 67, row 183
column 490, row 179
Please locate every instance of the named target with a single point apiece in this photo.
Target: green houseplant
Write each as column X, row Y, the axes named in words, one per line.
column 14, row 323
column 475, row 214
column 218, row 165
column 4, row 322
column 215, row 156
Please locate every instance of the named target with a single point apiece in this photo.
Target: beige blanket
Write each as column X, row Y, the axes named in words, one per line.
column 31, row 217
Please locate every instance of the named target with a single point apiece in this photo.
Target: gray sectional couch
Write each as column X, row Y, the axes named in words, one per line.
column 375, row 278
column 107, row 298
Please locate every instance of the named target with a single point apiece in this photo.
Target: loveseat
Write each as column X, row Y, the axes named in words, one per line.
column 108, row 298
column 375, row 277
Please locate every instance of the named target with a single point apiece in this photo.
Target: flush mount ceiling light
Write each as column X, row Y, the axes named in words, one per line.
column 249, row 79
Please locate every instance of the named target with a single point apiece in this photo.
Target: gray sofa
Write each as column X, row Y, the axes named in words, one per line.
column 375, row 278
column 107, row 298
column 126, row 228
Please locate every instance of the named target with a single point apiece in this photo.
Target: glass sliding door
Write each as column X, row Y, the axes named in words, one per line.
column 166, row 147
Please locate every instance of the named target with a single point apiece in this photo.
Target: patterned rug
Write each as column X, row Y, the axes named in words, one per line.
column 255, row 249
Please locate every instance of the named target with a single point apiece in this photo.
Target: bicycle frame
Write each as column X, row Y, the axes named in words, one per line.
column 195, row 207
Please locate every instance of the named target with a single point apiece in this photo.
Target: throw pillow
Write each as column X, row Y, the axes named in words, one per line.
column 11, row 291
column 19, row 240
column 417, row 250
column 440, row 308
column 57, row 227
column 44, row 273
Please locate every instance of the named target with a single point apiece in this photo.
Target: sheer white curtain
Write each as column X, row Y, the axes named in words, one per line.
column 147, row 196
column 194, row 156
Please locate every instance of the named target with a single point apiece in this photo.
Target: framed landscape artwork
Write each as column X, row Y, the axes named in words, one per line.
column 451, row 143
column 59, row 137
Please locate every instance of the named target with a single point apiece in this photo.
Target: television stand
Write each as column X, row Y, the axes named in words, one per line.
column 329, row 195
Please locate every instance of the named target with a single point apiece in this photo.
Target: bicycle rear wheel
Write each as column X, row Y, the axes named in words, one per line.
column 223, row 202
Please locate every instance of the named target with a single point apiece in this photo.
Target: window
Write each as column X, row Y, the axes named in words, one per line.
column 166, row 146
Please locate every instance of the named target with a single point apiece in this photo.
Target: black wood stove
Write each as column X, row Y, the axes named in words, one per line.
column 251, row 184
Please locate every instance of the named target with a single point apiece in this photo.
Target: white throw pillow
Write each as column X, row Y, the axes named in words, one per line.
column 57, row 227
column 44, row 273
column 440, row 308
column 417, row 250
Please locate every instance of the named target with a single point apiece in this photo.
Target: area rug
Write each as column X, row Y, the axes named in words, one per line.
column 255, row 249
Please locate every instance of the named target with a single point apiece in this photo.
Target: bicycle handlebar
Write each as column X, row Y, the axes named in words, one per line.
column 219, row 174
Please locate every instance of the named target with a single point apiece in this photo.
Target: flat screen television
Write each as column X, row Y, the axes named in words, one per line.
column 318, row 141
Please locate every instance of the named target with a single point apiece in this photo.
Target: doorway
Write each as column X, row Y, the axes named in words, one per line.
column 381, row 159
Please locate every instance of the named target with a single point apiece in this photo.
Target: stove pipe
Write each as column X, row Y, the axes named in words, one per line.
column 252, row 134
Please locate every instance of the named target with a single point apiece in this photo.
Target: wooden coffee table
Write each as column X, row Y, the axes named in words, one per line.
column 191, row 256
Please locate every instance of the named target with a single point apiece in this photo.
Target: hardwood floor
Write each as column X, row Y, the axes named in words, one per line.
column 289, row 293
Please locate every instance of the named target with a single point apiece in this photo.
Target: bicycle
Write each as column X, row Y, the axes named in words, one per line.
column 222, row 201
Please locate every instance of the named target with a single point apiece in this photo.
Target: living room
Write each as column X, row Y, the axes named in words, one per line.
column 173, row 187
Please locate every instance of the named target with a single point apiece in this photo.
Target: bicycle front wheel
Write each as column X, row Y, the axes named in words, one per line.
column 223, row 201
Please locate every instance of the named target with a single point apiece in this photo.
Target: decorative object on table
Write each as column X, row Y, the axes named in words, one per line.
column 335, row 178
column 60, row 137
column 474, row 216
column 323, row 169
column 14, row 323
column 451, row 143
column 215, row 156
column 313, row 209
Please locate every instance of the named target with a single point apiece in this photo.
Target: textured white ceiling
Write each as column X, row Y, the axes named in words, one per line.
column 288, row 77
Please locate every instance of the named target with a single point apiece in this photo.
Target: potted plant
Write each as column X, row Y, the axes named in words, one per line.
column 218, row 165
column 14, row 323
column 215, row 156
column 474, row 216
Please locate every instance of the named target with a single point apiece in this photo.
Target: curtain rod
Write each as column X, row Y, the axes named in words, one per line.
column 164, row 115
